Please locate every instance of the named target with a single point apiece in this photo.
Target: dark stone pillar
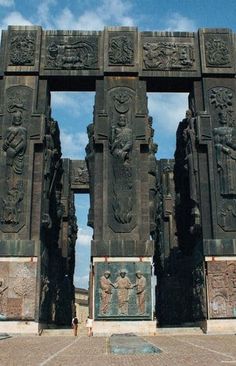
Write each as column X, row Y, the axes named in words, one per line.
column 121, row 245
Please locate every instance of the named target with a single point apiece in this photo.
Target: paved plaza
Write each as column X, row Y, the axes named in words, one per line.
column 204, row 350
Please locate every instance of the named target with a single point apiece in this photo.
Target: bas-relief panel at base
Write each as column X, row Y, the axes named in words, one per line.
column 123, row 290
column 17, row 290
column 222, row 289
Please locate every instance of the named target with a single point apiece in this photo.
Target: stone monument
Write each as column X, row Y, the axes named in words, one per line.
column 178, row 215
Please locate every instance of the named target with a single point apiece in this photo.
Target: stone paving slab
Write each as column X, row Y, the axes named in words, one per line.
column 202, row 350
column 130, row 344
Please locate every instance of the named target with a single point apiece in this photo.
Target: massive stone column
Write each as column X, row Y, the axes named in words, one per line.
column 215, row 182
column 121, row 249
column 32, row 255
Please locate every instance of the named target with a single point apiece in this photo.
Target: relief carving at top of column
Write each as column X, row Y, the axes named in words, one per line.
column 217, row 52
column 77, row 54
column 22, row 49
column 121, row 50
column 222, row 99
column 168, row 56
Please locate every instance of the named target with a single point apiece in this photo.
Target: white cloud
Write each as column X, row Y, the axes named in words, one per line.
column 178, row 23
column 167, row 109
column 44, row 12
column 84, row 237
column 14, row 18
column 81, row 281
column 6, row 3
column 108, row 12
column 73, row 144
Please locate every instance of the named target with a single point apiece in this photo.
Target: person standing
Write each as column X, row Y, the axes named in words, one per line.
column 89, row 325
column 75, row 323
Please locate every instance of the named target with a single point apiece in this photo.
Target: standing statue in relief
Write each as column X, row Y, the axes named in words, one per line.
column 15, row 143
column 106, row 292
column 123, row 286
column 121, row 142
column 189, row 136
column 225, row 145
column 140, row 286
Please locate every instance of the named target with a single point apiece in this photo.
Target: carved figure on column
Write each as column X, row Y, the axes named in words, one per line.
column 152, row 177
column 11, row 205
column 123, row 286
column 121, row 141
column 189, row 137
column 106, row 292
column 225, row 145
column 15, row 143
column 90, row 166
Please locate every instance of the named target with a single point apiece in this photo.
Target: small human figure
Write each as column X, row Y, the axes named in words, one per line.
column 89, row 325
column 106, row 292
column 75, row 323
column 140, row 291
column 123, row 286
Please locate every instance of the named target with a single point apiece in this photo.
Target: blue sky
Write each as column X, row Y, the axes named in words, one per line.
column 74, row 110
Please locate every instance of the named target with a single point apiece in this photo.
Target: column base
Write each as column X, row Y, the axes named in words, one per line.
column 20, row 327
column 219, row 326
column 140, row 327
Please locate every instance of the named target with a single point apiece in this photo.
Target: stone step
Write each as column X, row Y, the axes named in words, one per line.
column 179, row 330
column 63, row 332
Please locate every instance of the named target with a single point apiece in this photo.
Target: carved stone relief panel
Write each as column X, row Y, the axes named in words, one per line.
column 222, row 289
column 22, row 46
column 15, row 157
column 222, row 109
column 166, row 53
column 168, row 56
column 71, row 52
column 216, row 47
column 121, row 49
column 123, row 290
column 122, row 198
column 17, row 290
column 217, row 50
column 79, row 174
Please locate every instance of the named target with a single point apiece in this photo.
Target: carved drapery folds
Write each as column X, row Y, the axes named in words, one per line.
column 77, row 54
column 122, row 186
column 168, row 56
column 15, row 141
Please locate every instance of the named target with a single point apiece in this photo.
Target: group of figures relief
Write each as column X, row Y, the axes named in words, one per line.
column 123, row 286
